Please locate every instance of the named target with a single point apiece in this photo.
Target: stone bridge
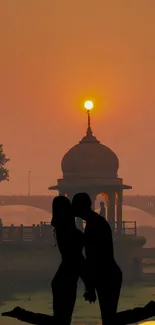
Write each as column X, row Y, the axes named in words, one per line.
column 44, row 202
column 145, row 203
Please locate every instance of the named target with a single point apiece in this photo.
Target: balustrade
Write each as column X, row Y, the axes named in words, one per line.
column 43, row 232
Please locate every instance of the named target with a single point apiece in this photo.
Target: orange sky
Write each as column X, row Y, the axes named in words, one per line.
column 55, row 53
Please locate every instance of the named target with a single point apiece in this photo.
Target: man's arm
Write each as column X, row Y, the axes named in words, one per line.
column 85, row 275
column 90, row 249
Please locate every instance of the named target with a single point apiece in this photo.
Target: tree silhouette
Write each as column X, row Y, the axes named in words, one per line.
column 4, row 173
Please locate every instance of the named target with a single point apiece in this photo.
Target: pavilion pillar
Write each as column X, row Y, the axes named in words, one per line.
column 111, row 210
column 119, row 211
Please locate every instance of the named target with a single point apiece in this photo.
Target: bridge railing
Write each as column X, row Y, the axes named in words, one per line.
column 40, row 232
column 128, row 228
column 44, row 232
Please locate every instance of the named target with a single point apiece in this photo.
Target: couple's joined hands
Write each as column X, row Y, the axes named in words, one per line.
column 90, row 295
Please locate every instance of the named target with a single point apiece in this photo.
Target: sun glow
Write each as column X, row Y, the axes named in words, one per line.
column 88, row 104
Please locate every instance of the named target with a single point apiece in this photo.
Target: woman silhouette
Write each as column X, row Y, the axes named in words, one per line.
column 73, row 266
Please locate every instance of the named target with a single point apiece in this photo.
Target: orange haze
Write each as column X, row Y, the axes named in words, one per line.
column 56, row 54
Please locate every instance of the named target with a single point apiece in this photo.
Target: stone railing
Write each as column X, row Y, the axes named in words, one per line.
column 22, row 233
column 44, row 232
column 129, row 228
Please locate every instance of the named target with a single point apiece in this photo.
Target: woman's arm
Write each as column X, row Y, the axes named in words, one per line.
column 84, row 274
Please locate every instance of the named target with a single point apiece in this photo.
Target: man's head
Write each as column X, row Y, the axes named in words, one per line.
column 81, row 204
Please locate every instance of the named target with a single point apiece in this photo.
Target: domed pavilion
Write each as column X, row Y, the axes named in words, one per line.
column 92, row 167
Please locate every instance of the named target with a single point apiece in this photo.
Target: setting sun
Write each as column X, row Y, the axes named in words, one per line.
column 88, row 104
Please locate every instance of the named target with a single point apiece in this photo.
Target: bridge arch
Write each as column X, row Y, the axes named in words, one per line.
column 143, row 203
column 23, row 214
column 40, row 202
column 44, row 202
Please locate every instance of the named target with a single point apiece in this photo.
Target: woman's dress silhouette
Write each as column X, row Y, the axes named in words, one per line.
column 73, row 266
column 70, row 244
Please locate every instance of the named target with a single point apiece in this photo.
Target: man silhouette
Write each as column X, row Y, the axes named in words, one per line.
column 99, row 252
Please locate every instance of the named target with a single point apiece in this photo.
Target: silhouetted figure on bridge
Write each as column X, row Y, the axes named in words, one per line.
column 98, row 244
column 102, row 210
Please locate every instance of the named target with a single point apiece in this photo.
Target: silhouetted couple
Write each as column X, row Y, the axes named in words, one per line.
column 98, row 270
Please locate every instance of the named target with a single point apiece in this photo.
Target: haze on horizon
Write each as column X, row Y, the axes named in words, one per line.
column 54, row 55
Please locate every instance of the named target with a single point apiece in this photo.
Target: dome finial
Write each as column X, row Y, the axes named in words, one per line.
column 89, row 130
column 88, row 112
column 89, row 105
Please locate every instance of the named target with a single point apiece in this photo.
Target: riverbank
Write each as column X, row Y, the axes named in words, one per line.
column 41, row 300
